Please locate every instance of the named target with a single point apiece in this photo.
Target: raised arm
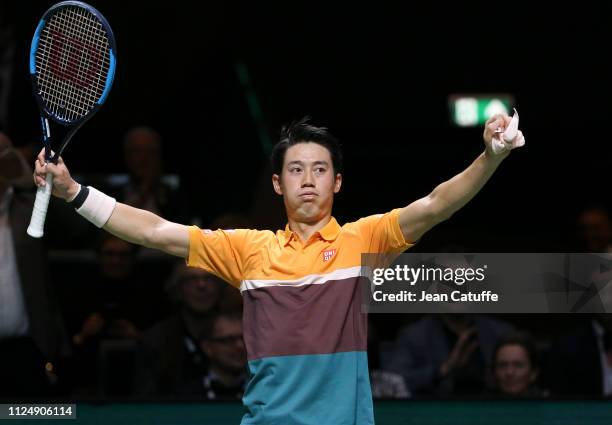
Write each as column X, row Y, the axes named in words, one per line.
column 131, row 224
column 147, row 229
column 448, row 197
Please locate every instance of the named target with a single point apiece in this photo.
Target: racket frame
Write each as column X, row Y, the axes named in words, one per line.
column 43, row 194
column 46, row 114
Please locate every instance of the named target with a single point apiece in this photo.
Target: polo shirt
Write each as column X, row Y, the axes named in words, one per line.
column 304, row 332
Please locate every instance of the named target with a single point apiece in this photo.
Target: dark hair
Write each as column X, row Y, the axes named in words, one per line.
column 172, row 284
column 301, row 131
column 521, row 339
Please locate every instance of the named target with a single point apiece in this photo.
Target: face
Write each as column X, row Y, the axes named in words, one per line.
column 225, row 349
column 307, row 182
column 199, row 290
column 513, row 370
column 142, row 155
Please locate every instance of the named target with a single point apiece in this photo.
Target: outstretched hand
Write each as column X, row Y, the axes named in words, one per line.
column 501, row 135
column 64, row 186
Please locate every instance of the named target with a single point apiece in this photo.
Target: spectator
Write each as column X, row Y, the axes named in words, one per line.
column 222, row 342
column 113, row 306
column 446, row 355
column 116, row 305
column 171, row 358
column 146, row 190
column 516, row 366
column 32, row 334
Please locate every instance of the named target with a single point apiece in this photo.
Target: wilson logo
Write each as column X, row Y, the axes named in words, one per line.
column 328, row 254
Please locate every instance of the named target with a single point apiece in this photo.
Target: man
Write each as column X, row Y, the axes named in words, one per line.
column 447, row 355
column 304, row 332
column 222, row 343
column 32, row 334
column 108, row 320
column 171, row 359
column 142, row 152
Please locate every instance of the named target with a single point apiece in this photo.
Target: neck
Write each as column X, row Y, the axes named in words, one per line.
column 306, row 229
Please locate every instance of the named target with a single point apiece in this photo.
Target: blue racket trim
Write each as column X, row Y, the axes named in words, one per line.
column 109, row 78
column 34, row 46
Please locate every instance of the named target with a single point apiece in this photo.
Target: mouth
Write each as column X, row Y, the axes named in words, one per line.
column 307, row 196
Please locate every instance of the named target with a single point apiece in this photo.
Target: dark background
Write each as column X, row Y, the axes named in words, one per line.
column 378, row 75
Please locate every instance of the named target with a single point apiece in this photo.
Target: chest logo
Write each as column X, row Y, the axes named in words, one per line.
column 328, row 254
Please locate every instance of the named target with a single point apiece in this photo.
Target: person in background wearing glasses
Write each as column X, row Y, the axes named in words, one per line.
column 171, row 358
column 223, row 345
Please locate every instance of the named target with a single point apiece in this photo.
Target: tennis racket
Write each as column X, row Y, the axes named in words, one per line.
column 72, row 66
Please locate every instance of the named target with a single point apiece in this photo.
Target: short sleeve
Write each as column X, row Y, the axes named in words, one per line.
column 381, row 233
column 220, row 252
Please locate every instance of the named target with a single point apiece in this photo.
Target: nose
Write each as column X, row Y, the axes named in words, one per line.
column 509, row 373
column 308, row 179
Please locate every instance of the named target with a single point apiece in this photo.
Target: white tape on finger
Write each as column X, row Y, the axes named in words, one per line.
column 508, row 139
column 512, row 130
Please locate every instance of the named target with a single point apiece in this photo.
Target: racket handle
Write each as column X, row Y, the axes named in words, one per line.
column 37, row 222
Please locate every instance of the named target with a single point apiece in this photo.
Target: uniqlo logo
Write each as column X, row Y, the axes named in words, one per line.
column 328, row 254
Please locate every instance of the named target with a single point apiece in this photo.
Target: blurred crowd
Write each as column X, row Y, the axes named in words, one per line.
column 110, row 320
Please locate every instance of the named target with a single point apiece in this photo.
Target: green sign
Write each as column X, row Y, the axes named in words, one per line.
column 475, row 110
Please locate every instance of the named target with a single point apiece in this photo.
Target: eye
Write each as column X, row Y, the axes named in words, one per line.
column 320, row 170
column 295, row 169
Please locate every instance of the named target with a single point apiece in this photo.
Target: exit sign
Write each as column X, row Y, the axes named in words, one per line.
column 474, row 110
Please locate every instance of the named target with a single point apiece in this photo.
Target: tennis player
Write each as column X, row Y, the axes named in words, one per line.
column 303, row 328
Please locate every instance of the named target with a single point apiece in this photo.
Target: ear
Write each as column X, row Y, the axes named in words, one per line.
column 276, row 184
column 338, row 183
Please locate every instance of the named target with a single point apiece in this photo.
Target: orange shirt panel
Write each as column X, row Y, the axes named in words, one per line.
column 241, row 254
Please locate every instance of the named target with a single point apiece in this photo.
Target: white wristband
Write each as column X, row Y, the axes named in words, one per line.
column 98, row 207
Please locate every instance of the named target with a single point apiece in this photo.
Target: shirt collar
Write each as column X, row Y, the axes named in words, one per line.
column 329, row 232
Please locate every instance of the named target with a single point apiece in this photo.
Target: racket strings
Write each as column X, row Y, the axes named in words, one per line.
column 77, row 52
column 72, row 63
